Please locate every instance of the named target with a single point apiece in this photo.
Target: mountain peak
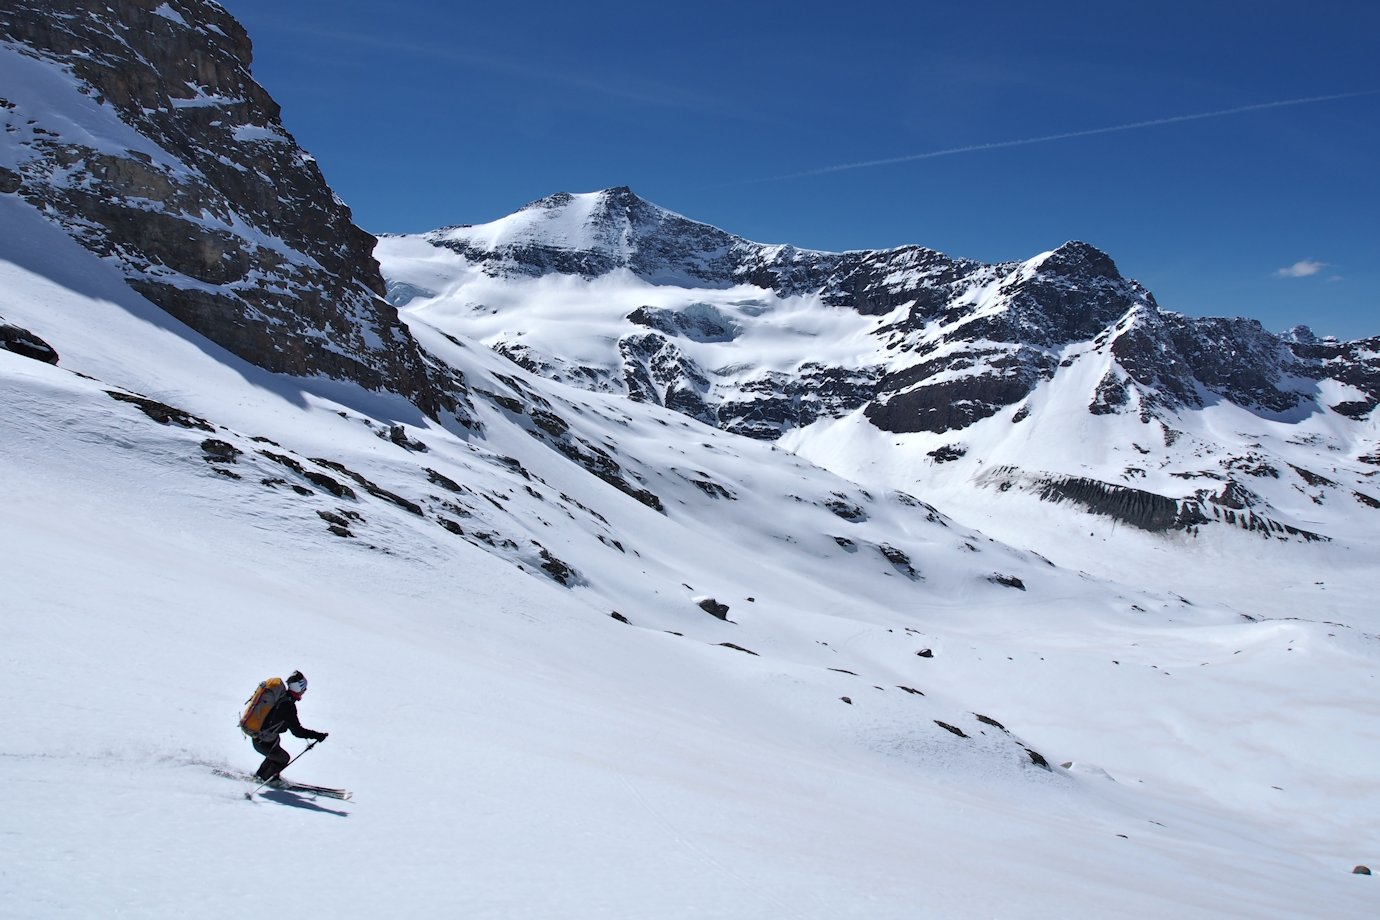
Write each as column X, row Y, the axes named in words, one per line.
column 1079, row 258
column 620, row 194
column 606, row 199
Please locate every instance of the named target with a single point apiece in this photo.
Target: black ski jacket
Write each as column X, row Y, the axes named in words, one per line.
column 283, row 717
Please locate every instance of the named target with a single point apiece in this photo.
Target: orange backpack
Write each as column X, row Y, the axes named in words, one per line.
column 258, row 706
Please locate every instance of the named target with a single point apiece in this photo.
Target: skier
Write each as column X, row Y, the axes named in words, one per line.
column 282, row 717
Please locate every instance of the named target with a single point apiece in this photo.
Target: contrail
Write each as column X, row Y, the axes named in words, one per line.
column 997, row 145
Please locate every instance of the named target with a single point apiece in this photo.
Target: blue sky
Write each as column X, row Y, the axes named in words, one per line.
column 988, row 130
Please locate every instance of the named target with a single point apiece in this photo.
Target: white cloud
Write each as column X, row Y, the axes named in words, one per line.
column 1302, row 269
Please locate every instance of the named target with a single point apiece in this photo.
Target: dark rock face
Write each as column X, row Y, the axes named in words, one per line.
column 1144, row 510
column 190, row 184
column 773, row 403
column 1177, row 359
column 907, row 401
column 982, row 360
column 699, row 322
column 712, row 607
column 23, row 342
column 1355, row 363
column 1151, row 511
column 161, row 412
column 657, row 372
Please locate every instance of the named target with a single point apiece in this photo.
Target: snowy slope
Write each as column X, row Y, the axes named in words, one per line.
column 516, row 751
column 582, row 655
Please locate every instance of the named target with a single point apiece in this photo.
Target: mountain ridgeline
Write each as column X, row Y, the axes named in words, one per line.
column 974, row 338
column 776, row 342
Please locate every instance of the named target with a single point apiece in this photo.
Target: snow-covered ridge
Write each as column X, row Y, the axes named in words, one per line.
column 608, row 292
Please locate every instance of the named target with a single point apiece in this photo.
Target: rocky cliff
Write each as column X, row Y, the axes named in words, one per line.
column 136, row 125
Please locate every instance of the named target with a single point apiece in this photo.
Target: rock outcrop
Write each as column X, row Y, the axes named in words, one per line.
column 135, row 125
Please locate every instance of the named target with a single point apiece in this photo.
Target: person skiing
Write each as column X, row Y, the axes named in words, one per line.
column 282, row 717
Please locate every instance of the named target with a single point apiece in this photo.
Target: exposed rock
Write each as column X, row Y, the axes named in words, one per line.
column 951, row 728
column 327, row 484
column 698, row 322
column 1141, row 509
column 374, row 490
column 711, row 488
column 899, row 559
column 23, row 342
column 558, row 570
column 1010, row 581
column 162, row 412
column 211, row 210
column 1175, row 359
column 217, row 451
column 769, row 404
column 1313, row 479
column 947, row 453
column 599, row 462
column 1112, row 394
column 656, row 371
column 549, row 422
column 906, row 403
column 444, row 482
column 841, row 507
column 712, row 607
column 398, row 435
column 1234, row 496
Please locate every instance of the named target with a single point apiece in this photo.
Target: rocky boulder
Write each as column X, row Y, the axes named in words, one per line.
column 23, row 342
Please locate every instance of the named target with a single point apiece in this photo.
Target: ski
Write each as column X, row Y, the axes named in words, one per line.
column 342, row 794
column 304, row 788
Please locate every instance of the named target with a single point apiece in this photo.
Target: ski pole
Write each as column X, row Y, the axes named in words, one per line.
column 285, row 766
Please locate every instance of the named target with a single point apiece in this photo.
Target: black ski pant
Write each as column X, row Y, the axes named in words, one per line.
column 275, row 758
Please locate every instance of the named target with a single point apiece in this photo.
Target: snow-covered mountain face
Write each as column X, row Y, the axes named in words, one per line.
column 136, row 126
column 581, row 655
column 1055, row 376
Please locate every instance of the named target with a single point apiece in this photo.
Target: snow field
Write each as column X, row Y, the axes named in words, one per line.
column 516, row 752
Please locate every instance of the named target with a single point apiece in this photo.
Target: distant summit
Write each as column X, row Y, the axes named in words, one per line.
column 1049, row 358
